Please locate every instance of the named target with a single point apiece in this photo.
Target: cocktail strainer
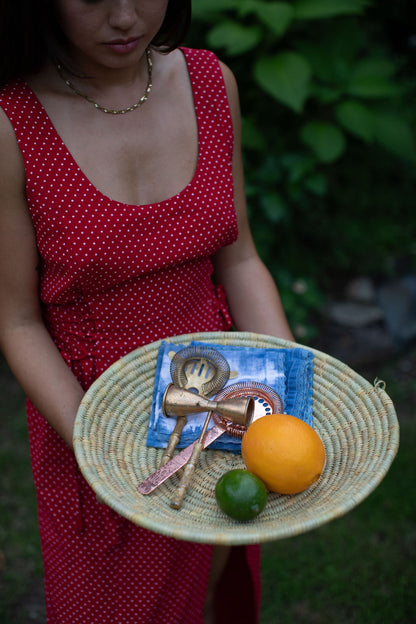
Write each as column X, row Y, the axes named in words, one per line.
column 266, row 401
column 200, row 368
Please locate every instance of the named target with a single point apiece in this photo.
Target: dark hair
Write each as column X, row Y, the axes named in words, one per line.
column 30, row 32
column 175, row 25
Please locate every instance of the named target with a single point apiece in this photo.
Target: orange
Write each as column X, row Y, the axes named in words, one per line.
column 284, row 452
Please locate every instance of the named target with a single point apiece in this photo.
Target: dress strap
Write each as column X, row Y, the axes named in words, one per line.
column 210, row 97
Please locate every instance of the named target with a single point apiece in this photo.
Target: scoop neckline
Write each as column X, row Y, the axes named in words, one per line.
column 89, row 182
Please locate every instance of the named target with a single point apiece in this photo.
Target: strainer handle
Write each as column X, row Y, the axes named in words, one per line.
column 174, row 438
column 188, row 471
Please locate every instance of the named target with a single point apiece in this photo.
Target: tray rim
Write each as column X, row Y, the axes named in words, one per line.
column 239, row 533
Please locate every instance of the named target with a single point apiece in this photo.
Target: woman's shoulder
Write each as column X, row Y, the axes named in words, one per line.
column 11, row 162
column 8, row 140
column 14, row 99
column 12, row 89
column 210, row 60
column 201, row 57
column 6, row 127
column 16, row 102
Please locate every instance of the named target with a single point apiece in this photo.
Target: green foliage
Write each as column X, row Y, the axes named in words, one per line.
column 318, row 90
column 316, row 9
column 235, row 37
column 286, row 77
column 356, row 118
column 325, row 140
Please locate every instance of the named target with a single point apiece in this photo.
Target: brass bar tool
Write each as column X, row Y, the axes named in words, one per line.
column 266, row 401
column 174, row 438
column 189, row 469
column 182, row 402
column 199, row 368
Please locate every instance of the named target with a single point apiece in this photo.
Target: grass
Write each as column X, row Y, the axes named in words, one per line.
column 354, row 570
column 20, row 560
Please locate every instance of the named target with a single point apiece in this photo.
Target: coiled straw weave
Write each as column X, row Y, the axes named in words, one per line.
column 356, row 421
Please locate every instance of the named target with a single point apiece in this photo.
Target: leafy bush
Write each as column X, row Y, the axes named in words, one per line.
column 327, row 135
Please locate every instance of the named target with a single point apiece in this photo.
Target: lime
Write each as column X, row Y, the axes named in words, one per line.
column 240, row 494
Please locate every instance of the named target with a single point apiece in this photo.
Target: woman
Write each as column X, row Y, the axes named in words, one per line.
column 122, row 220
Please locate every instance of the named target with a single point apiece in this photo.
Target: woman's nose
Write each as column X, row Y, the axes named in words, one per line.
column 123, row 14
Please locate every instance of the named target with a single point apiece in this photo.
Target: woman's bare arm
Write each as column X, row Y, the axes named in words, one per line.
column 252, row 295
column 27, row 346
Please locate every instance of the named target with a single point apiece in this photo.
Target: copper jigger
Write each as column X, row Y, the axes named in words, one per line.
column 180, row 402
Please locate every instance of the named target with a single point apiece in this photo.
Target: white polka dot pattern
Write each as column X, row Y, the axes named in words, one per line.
column 115, row 277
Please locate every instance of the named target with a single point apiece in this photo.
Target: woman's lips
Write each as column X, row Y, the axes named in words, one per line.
column 122, row 46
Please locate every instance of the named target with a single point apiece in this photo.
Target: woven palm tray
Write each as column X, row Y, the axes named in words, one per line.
column 355, row 420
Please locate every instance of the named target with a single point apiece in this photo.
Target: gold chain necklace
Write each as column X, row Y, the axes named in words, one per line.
column 111, row 111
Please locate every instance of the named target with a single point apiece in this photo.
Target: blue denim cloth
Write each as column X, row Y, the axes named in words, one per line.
column 288, row 371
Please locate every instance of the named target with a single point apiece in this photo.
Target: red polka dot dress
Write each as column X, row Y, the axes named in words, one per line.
column 114, row 277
